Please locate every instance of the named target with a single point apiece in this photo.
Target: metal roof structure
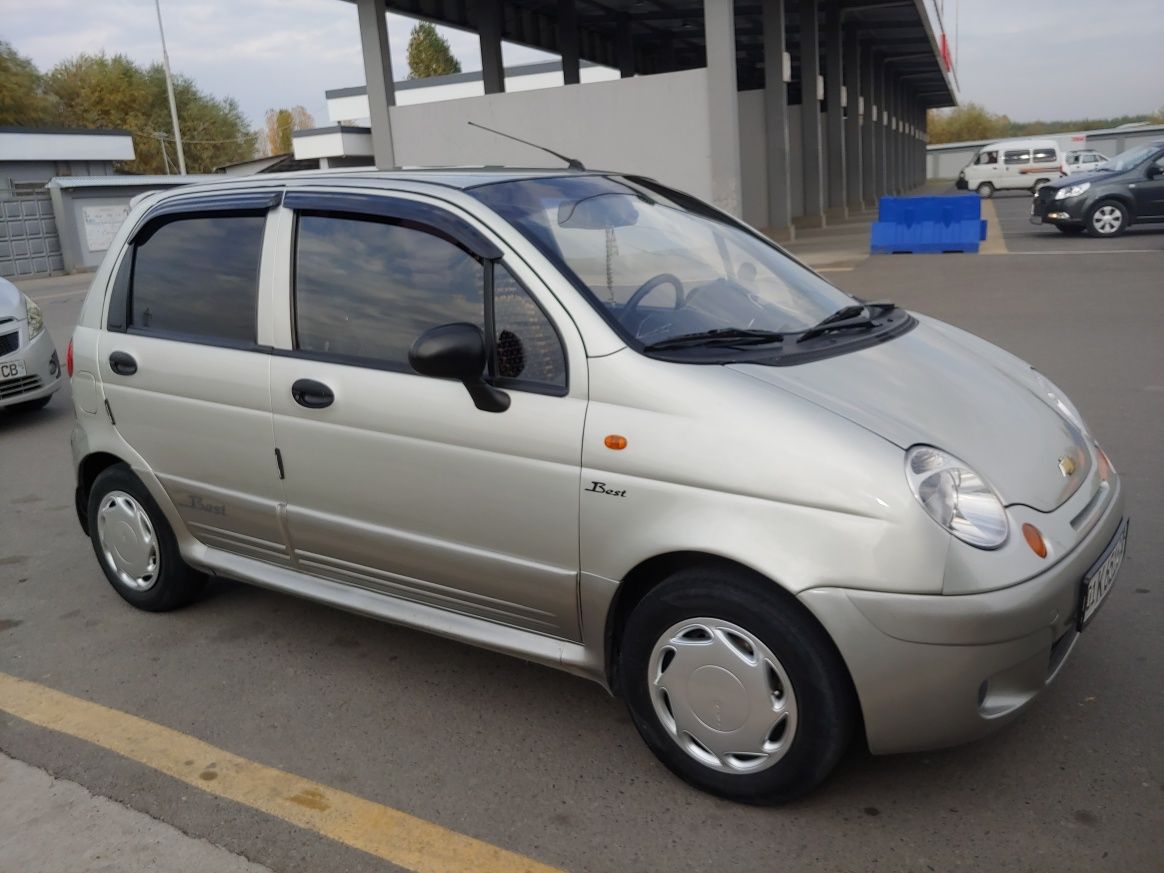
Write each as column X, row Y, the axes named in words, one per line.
column 667, row 35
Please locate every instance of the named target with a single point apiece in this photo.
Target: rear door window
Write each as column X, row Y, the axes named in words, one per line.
column 1017, row 156
column 197, row 278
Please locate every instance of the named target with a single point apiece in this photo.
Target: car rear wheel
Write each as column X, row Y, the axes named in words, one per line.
column 735, row 687
column 1039, row 184
column 135, row 545
column 1107, row 218
column 985, row 190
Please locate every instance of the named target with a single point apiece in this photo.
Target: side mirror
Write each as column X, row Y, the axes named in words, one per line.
column 1154, row 170
column 457, row 351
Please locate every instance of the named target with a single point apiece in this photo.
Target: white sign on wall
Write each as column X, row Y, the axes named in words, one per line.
column 101, row 223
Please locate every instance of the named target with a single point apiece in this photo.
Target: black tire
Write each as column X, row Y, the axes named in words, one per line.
column 985, row 190
column 825, row 705
column 1070, row 229
column 174, row 582
column 1103, row 229
column 31, row 405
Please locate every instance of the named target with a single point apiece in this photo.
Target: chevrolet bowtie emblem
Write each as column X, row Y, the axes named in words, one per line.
column 1067, row 466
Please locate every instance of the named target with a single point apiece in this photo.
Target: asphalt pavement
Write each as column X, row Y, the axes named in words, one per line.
column 549, row 766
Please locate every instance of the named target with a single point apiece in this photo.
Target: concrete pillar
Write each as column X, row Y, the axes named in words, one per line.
column 776, row 122
column 891, row 148
column 723, row 113
column 489, row 25
column 837, row 157
column 853, row 154
column 568, row 41
column 869, row 190
column 879, row 76
column 811, row 159
column 378, row 74
column 626, row 48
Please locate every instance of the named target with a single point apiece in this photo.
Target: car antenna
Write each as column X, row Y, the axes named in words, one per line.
column 572, row 163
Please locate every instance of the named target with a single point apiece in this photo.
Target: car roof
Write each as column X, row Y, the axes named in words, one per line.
column 462, row 178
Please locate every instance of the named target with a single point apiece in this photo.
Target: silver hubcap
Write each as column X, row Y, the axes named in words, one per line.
column 722, row 695
column 128, row 542
column 1107, row 219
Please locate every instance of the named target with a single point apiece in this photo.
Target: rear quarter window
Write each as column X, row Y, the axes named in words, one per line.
column 1046, row 155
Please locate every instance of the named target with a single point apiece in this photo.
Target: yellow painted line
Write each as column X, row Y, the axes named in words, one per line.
column 995, row 243
column 397, row 837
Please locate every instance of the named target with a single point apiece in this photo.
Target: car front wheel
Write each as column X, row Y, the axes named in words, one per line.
column 1107, row 218
column 735, row 687
column 985, row 190
column 135, row 545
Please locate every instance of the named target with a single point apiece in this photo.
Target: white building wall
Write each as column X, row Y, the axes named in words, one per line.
column 650, row 125
column 355, row 107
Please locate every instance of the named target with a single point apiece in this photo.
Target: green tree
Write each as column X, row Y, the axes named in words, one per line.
column 429, row 53
column 101, row 91
column 968, row 122
column 23, row 99
column 280, row 124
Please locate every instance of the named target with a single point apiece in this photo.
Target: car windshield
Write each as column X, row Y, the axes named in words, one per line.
column 662, row 264
column 1129, row 159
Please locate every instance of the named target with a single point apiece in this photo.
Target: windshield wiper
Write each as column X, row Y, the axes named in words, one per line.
column 720, row 336
column 847, row 317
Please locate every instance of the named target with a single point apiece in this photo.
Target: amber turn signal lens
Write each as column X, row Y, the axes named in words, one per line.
column 1035, row 540
column 616, row 442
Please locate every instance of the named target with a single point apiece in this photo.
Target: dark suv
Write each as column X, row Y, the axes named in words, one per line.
column 1128, row 189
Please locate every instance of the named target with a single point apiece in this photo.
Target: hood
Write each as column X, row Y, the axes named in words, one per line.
column 11, row 301
column 943, row 387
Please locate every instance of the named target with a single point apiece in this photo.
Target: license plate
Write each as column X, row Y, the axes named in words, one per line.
column 12, row 369
column 1100, row 578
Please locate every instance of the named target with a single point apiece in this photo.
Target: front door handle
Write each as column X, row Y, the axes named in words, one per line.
column 312, row 394
column 122, row 363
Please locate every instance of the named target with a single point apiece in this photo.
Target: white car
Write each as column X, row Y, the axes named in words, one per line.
column 29, row 369
column 1082, row 161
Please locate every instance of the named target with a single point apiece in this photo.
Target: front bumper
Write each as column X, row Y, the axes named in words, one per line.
column 43, row 370
column 1046, row 210
column 940, row 670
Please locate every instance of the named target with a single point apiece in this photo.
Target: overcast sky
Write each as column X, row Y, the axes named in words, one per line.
column 1062, row 59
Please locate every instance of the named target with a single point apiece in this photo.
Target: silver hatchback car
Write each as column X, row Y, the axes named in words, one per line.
column 592, row 422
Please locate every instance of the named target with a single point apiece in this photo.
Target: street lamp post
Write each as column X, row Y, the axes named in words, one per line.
column 170, row 91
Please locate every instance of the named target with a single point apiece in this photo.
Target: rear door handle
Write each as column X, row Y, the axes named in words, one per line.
column 122, row 363
column 312, row 394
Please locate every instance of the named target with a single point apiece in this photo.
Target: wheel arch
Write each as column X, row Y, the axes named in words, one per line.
column 653, row 571
column 91, row 466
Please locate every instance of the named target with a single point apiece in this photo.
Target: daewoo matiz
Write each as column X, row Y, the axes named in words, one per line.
column 593, row 422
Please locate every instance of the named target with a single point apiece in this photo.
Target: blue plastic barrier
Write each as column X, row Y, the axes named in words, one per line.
column 950, row 223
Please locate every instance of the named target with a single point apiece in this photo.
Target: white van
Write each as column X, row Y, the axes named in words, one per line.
column 1020, row 163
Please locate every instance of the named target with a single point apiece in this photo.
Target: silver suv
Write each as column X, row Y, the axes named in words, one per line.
column 598, row 424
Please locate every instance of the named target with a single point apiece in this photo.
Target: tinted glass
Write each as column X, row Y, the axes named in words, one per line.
column 367, row 289
column 1046, row 155
column 528, row 348
column 199, row 277
column 659, row 263
column 1016, row 157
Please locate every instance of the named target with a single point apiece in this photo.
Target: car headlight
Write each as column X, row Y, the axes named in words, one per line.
column 956, row 497
column 1072, row 191
column 35, row 318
